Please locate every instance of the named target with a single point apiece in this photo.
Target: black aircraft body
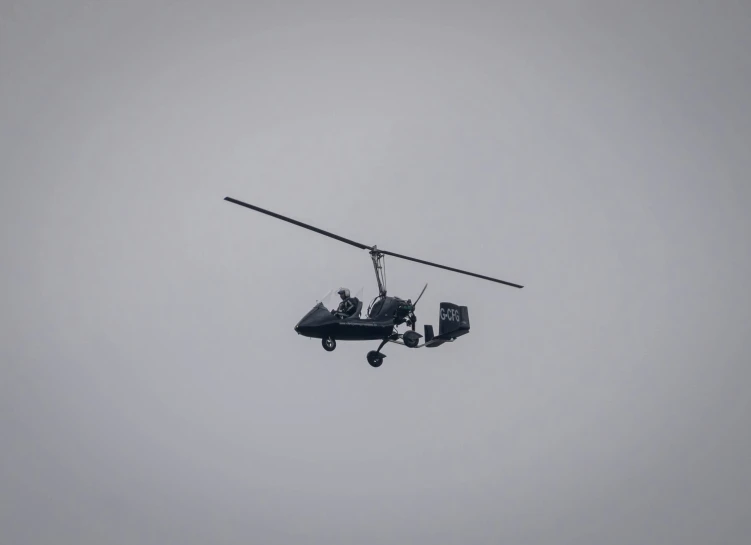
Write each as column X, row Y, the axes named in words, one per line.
column 385, row 313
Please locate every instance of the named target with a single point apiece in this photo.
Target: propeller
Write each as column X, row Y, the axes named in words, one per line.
column 412, row 318
column 418, row 297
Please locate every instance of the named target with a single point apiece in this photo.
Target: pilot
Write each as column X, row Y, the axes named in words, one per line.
column 348, row 306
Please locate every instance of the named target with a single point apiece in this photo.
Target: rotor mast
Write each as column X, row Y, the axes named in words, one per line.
column 379, row 266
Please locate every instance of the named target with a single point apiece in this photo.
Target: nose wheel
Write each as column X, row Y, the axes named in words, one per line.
column 328, row 344
column 375, row 358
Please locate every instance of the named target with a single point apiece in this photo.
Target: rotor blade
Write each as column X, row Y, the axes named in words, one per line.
column 299, row 223
column 414, row 305
column 449, row 268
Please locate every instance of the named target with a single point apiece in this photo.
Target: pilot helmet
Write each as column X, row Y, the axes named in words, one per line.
column 343, row 293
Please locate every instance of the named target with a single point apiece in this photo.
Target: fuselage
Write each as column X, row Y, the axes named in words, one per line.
column 320, row 323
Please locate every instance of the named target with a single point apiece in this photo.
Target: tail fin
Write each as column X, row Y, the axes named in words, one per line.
column 454, row 320
column 453, row 323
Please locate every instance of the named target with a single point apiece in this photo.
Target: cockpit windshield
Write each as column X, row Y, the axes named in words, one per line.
column 330, row 300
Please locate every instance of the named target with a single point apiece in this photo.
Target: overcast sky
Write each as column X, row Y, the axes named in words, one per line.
column 152, row 389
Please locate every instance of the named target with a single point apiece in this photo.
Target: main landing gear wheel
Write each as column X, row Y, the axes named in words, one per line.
column 375, row 358
column 328, row 344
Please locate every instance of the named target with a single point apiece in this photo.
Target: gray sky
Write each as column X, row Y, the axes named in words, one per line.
column 153, row 390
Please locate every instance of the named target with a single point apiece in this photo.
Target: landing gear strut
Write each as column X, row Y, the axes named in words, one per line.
column 328, row 344
column 375, row 358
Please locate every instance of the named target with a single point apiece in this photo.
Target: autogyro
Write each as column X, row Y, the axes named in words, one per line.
column 385, row 313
